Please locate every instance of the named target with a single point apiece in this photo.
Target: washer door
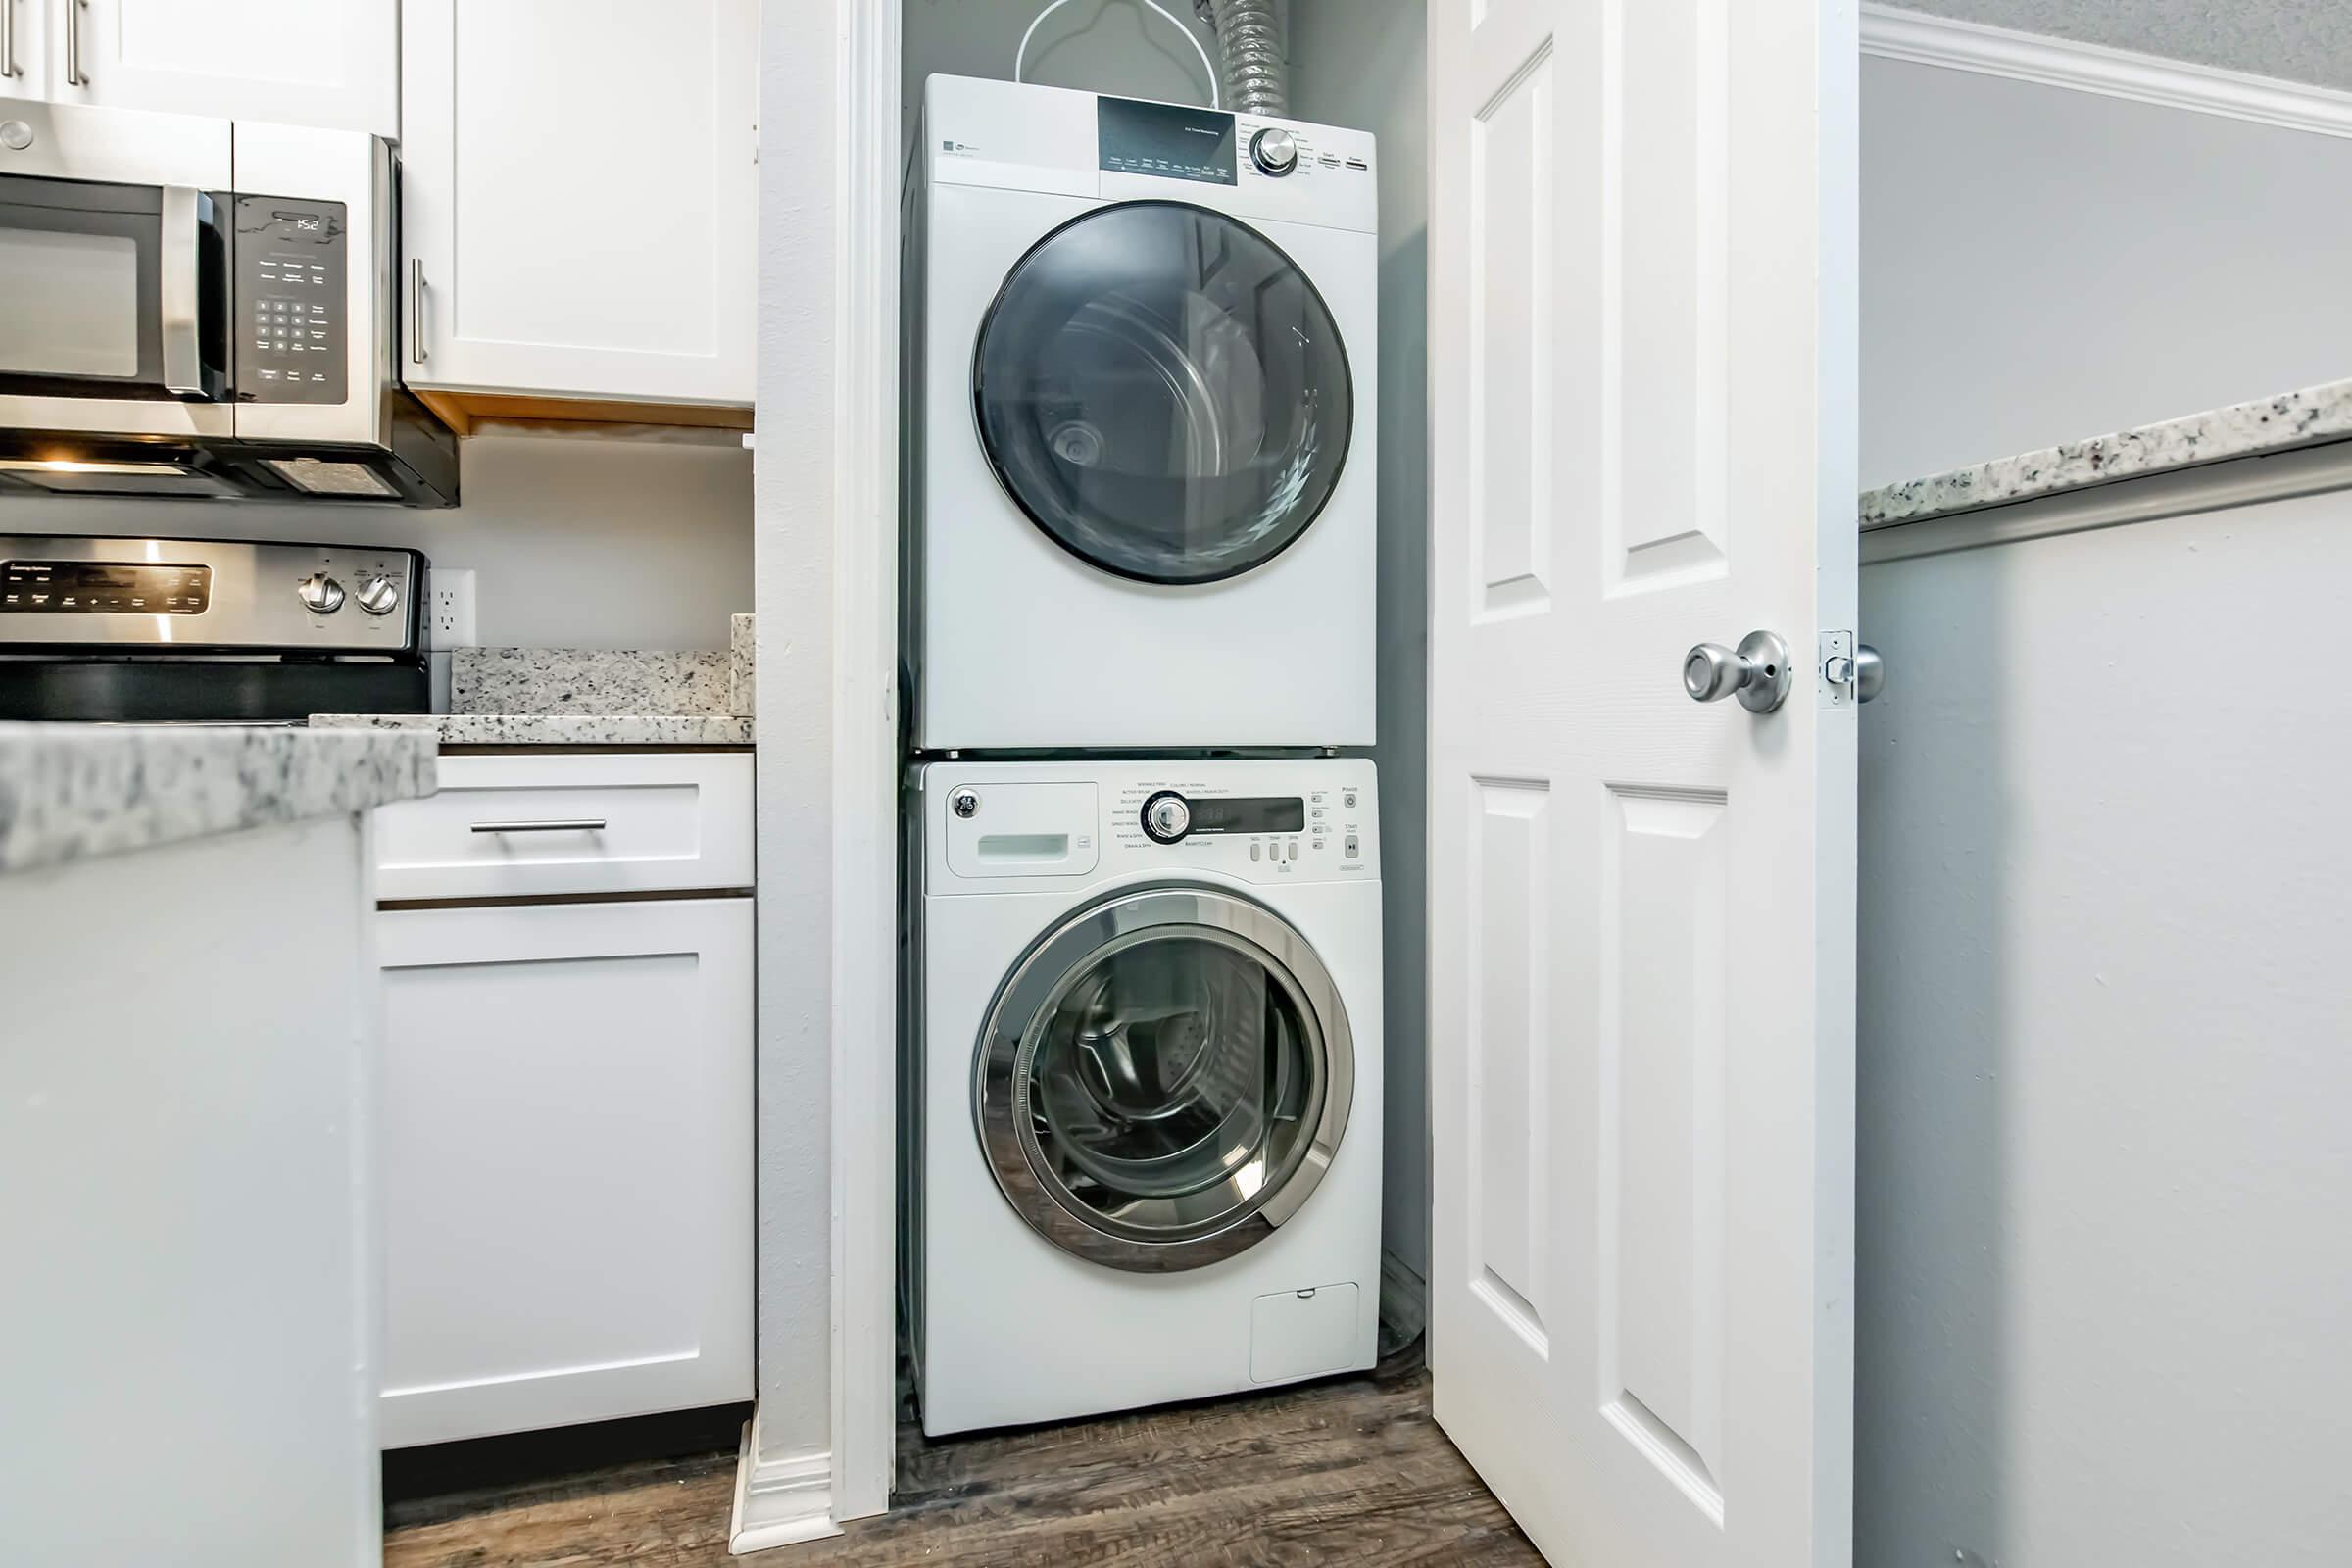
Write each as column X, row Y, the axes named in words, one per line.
column 1165, row 393
column 1163, row 1079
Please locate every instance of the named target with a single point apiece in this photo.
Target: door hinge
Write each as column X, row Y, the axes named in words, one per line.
column 1833, row 670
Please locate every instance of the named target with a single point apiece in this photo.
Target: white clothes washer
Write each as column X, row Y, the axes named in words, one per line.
column 1140, row 374
column 1143, row 1084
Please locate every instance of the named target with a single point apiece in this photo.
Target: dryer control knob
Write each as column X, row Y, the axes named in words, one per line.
column 1274, row 150
column 1167, row 817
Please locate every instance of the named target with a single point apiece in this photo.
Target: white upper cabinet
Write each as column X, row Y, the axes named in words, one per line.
column 580, row 197
column 25, row 47
column 333, row 64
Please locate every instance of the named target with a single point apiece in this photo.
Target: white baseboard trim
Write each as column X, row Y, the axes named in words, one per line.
column 1893, row 33
column 779, row 1502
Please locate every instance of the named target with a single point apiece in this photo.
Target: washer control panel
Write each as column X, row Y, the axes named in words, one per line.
column 1256, row 821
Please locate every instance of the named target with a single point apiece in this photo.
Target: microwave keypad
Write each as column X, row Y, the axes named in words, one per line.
column 293, row 343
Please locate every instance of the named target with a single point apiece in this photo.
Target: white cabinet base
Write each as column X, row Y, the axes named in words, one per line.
column 568, row 1164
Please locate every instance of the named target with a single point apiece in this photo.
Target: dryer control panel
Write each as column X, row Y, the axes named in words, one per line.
column 1255, row 822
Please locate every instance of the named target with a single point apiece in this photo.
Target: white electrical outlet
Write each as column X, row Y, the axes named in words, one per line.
column 452, row 608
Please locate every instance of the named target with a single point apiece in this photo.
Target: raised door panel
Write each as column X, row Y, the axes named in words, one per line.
column 581, row 200
column 332, row 64
column 567, row 1173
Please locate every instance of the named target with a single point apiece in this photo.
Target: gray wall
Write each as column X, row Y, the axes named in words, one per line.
column 1364, row 63
column 576, row 543
column 2040, row 264
column 2103, row 1280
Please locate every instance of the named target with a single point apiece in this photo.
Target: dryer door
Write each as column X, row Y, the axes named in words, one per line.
column 1165, row 393
column 1163, row 1079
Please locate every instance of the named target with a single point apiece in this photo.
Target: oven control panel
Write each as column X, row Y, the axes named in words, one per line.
column 292, row 336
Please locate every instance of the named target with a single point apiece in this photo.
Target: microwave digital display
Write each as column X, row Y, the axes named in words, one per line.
column 103, row 588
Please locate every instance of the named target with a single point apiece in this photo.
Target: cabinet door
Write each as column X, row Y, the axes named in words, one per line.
column 25, row 47
column 333, row 64
column 580, row 197
column 568, row 1164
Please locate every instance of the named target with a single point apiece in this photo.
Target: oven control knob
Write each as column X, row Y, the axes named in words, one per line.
column 1167, row 817
column 320, row 594
column 1274, row 150
column 379, row 595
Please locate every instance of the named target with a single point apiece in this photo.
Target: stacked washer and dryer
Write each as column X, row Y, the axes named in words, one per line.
column 1142, row 1066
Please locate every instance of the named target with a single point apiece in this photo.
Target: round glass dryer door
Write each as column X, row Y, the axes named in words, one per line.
column 1164, row 1079
column 1163, row 392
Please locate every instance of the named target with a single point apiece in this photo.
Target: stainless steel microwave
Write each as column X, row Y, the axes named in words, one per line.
column 197, row 307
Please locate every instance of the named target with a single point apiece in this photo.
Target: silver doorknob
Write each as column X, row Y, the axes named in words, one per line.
column 1758, row 671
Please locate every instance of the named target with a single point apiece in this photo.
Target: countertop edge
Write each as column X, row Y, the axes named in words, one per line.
column 617, row 730
column 74, row 792
column 2307, row 417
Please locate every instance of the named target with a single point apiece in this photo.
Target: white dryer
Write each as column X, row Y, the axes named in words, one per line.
column 1139, row 346
column 1144, row 1076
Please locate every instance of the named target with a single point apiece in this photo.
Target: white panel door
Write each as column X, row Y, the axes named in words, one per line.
column 327, row 63
column 1643, row 260
column 580, row 197
column 568, row 1164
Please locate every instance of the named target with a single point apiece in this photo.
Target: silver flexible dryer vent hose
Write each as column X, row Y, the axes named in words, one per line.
column 1256, row 80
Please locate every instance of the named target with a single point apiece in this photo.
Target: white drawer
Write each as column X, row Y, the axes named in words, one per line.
column 601, row 823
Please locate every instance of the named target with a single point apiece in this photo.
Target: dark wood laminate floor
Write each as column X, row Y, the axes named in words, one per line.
column 1348, row 1472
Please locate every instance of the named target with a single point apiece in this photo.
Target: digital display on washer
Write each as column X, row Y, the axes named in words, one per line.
column 1165, row 139
column 1229, row 813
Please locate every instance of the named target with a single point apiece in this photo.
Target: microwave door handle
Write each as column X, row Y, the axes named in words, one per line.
column 181, row 284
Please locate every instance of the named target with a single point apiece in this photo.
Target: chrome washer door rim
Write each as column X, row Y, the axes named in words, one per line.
column 1011, row 1036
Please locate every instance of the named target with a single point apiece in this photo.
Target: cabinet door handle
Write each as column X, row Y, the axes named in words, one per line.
column 578, row 825
column 416, row 309
column 8, row 40
column 75, row 76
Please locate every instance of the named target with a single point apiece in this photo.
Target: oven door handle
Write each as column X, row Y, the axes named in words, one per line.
column 180, row 291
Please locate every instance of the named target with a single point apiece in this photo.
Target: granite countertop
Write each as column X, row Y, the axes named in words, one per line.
column 588, row 697
column 557, row 729
column 2302, row 419
column 69, row 792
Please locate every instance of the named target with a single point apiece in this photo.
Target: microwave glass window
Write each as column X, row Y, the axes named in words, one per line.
column 89, row 286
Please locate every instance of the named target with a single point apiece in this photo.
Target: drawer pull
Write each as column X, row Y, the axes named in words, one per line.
column 580, row 824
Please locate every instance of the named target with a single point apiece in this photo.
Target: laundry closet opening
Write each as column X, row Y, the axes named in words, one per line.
column 1089, row 500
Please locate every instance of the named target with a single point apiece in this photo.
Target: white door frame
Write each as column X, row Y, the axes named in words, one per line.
column 826, row 566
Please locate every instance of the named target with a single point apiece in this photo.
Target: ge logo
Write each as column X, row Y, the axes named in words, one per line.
column 964, row 803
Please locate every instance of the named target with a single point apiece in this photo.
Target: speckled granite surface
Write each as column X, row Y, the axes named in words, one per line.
column 69, row 792
column 586, row 680
column 742, row 666
column 559, row 729
column 2269, row 425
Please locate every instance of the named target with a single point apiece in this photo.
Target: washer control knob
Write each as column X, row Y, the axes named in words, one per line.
column 1274, row 150
column 379, row 595
column 1167, row 817
column 319, row 593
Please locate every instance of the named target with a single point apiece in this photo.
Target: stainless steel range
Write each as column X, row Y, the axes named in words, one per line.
column 207, row 630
